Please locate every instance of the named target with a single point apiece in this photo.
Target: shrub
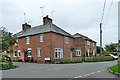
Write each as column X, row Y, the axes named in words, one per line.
column 82, row 59
column 5, row 66
column 68, row 60
column 35, row 61
column 6, row 63
column 31, row 59
column 98, row 59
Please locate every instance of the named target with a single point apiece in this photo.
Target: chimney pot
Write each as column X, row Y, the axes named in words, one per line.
column 25, row 26
column 47, row 20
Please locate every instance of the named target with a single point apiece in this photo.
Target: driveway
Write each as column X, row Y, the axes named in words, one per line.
column 77, row 70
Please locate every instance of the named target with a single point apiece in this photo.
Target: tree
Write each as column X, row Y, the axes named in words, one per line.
column 7, row 39
column 111, row 48
column 98, row 49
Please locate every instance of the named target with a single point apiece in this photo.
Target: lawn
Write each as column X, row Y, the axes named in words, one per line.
column 116, row 68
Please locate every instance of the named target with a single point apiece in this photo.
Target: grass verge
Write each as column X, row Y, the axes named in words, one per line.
column 115, row 68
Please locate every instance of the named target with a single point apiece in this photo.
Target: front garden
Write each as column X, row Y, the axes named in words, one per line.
column 5, row 63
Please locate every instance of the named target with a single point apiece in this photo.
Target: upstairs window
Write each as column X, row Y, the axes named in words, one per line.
column 38, row 52
column 16, row 43
column 78, row 52
column 41, row 38
column 93, row 44
column 18, row 53
column 88, row 43
column 29, row 52
column 27, row 40
column 66, row 40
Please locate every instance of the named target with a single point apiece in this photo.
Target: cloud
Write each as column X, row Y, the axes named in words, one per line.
column 72, row 16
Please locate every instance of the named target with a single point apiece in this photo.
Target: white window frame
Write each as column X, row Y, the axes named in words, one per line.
column 88, row 42
column 27, row 40
column 39, row 53
column 78, row 52
column 66, row 40
column 93, row 52
column 88, row 52
column 93, row 44
column 29, row 52
column 41, row 38
column 15, row 53
column 19, row 53
column 59, row 52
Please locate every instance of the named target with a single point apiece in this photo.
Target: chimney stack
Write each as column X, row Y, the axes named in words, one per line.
column 47, row 20
column 25, row 26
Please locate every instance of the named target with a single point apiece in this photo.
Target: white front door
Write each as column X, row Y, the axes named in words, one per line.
column 22, row 56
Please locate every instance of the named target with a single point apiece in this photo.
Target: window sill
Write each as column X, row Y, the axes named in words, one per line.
column 78, row 55
column 15, row 56
column 27, row 43
column 39, row 56
column 41, row 41
column 29, row 56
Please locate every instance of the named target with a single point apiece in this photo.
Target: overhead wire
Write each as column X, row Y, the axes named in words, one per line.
column 103, row 11
column 108, row 12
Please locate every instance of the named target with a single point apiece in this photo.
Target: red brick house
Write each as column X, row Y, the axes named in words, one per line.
column 49, row 41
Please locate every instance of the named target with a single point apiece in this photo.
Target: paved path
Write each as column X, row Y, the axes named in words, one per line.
column 78, row 70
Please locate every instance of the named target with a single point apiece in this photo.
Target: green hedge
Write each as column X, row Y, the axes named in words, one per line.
column 82, row 59
column 98, row 59
column 68, row 60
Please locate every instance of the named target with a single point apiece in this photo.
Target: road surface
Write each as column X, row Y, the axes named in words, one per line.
column 77, row 70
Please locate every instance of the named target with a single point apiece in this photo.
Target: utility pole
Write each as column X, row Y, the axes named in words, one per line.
column 101, row 39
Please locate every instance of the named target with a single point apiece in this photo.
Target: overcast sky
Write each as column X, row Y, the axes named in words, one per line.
column 74, row 16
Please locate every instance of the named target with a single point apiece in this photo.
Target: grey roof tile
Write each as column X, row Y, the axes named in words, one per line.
column 77, row 35
column 43, row 29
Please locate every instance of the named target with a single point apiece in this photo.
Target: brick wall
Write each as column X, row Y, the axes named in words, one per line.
column 51, row 40
column 79, row 44
column 90, row 47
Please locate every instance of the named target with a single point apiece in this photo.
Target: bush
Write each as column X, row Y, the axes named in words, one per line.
column 35, row 61
column 6, row 63
column 5, row 66
column 68, row 60
column 98, row 59
column 82, row 59
column 31, row 59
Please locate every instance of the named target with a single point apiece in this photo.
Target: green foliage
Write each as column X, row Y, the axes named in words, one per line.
column 35, row 61
column 4, row 64
column 6, row 39
column 99, row 59
column 68, row 60
column 111, row 48
column 116, row 68
column 31, row 59
column 82, row 59
column 98, row 49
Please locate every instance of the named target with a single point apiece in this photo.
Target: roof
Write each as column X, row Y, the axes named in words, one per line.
column 43, row 29
column 77, row 35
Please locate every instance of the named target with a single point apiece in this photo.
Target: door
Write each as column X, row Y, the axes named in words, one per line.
column 22, row 56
